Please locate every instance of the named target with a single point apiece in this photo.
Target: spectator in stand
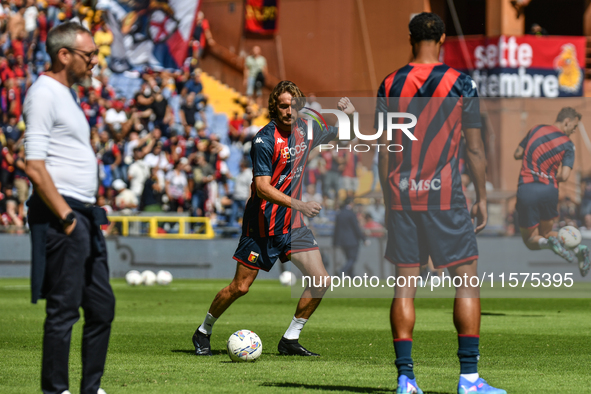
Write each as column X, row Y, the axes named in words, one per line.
column 194, row 86
column 177, row 187
column 203, row 174
column 537, row 30
column 255, row 73
column 42, row 30
column 347, row 235
column 152, row 194
column 91, row 108
column 163, row 116
column 241, row 194
column 143, row 103
column 311, row 102
column 8, row 209
column 377, row 211
column 11, row 130
column 115, row 117
column 126, row 200
column 30, row 17
column 201, row 37
column 110, row 156
column 157, row 159
column 138, row 172
column 188, row 113
column 372, row 227
column 7, row 174
column 11, row 96
column 331, row 173
column 349, row 181
column 21, row 180
column 103, row 38
column 235, row 128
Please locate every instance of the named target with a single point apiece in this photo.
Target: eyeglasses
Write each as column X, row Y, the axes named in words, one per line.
column 87, row 55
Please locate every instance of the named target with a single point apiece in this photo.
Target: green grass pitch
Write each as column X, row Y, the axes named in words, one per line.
column 527, row 345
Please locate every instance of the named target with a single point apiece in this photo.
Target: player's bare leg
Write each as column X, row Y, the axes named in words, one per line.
column 239, row 286
column 402, row 320
column 402, row 312
column 467, row 301
column 310, row 264
column 542, row 237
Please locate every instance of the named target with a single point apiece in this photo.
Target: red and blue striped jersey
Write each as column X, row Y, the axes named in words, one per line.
column 425, row 174
column 545, row 147
column 282, row 156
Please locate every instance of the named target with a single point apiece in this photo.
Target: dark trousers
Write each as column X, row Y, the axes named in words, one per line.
column 75, row 278
column 351, row 252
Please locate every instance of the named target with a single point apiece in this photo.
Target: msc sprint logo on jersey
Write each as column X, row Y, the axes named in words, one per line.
column 422, row 184
column 387, row 121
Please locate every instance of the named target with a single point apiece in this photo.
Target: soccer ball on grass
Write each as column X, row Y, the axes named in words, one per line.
column 244, row 345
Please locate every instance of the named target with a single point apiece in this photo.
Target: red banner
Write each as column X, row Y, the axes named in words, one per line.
column 260, row 16
column 527, row 66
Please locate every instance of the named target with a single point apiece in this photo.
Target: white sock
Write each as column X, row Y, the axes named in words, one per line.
column 470, row 377
column 208, row 323
column 294, row 329
column 543, row 242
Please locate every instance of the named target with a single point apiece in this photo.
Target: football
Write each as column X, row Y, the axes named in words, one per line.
column 163, row 277
column 244, row 345
column 133, row 278
column 148, row 278
column 287, row 278
column 570, row 236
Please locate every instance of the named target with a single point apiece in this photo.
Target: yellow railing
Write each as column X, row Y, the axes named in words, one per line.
column 153, row 222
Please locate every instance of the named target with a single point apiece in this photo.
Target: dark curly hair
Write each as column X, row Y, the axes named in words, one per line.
column 568, row 112
column 426, row 26
column 282, row 87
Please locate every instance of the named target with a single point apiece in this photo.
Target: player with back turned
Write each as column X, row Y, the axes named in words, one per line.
column 548, row 156
column 426, row 210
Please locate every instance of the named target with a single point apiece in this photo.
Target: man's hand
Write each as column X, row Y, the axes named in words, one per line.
column 480, row 213
column 346, row 106
column 309, row 209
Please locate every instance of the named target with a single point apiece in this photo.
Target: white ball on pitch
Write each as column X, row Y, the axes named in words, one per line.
column 244, row 345
column 287, row 278
column 570, row 236
column 163, row 277
column 148, row 278
column 133, row 278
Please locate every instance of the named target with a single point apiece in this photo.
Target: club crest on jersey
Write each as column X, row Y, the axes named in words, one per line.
column 285, row 153
column 253, row 256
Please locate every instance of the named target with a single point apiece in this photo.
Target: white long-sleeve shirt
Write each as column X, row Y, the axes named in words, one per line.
column 57, row 131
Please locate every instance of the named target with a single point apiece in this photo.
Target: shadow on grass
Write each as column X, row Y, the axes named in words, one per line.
column 510, row 315
column 192, row 352
column 329, row 387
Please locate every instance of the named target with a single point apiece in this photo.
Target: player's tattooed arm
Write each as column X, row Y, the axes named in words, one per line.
column 477, row 162
column 268, row 192
column 383, row 172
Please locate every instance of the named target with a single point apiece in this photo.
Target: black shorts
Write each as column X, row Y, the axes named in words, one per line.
column 446, row 236
column 536, row 202
column 262, row 253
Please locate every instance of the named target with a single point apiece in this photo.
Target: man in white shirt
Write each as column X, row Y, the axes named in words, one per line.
column 138, row 173
column 69, row 254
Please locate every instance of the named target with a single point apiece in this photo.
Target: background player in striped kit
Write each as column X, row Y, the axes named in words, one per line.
column 548, row 156
column 426, row 209
column 273, row 225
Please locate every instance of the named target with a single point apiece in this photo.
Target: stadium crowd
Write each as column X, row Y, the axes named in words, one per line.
column 159, row 147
